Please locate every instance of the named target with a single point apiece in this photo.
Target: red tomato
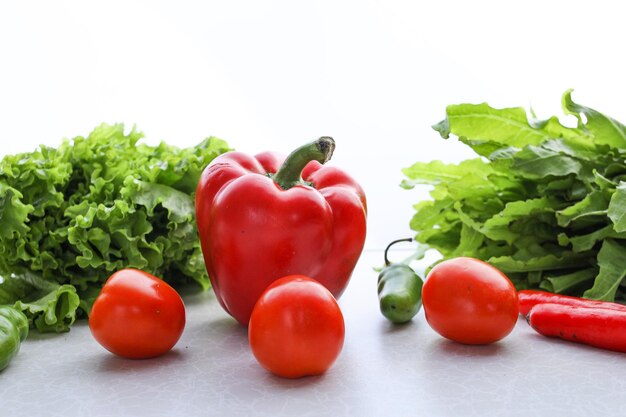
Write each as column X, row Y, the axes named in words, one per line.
column 137, row 315
column 469, row 301
column 296, row 328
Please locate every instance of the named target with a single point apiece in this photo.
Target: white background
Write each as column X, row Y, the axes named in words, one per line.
column 272, row 75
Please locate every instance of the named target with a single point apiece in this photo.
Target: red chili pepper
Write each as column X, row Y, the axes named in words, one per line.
column 530, row 298
column 599, row 327
column 265, row 217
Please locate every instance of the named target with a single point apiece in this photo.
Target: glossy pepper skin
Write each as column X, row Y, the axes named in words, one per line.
column 264, row 217
column 530, row 298
column 13, row 331
column 593, row 326
column 399, row 290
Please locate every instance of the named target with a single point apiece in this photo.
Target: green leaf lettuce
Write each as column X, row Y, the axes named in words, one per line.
column 73, row 215
column 544, row 202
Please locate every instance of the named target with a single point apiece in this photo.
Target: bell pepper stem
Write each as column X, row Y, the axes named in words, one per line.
column 290, row 173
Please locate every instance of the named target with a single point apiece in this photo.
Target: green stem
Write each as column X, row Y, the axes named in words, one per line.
column 408, row 239
column 290, row 173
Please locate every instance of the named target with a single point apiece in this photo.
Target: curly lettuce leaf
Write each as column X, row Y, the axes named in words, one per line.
column 74, row 214
column 50, row 307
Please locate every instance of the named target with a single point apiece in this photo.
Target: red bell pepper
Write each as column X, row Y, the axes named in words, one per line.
column 264, row 217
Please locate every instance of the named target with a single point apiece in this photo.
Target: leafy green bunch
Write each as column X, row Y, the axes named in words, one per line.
column 543, row 202
column 71, row 216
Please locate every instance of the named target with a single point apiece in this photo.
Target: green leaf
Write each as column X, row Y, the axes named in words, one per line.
column 586, row 242
column 48, row 305
column 594, row 205
column 486, row 148
column 469, row 221
column 470, row 241
column 568, row 282
column 612, row 263
column 179, row 205
column 54, row 311
column 617, row 208
column 13, row 212
column 548, row 159
column 436, row 172
column 497, row 227
column 482, row 122
column 74, row 214
column 508, row 127
column 428, row 214
column 543, row 202
column 603, row 182
column 541, row 263
column 474, row 185
column 604, row 129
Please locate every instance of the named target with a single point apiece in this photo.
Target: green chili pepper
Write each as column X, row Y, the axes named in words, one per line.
column 13, row 331
column 399, row 290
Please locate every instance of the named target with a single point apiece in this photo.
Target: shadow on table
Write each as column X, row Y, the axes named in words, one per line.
column 115, row 364
column 219, row 334
column 450, row 348
column 225, row 324
column 275, row 381
column 232, row 337
column 390, row 328
column 192, row 295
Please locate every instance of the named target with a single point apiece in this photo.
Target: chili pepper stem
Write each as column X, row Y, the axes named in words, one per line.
column 290, row 172
column 409, row 239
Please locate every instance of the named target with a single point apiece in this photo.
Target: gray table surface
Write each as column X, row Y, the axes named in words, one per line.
column 383, row 370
